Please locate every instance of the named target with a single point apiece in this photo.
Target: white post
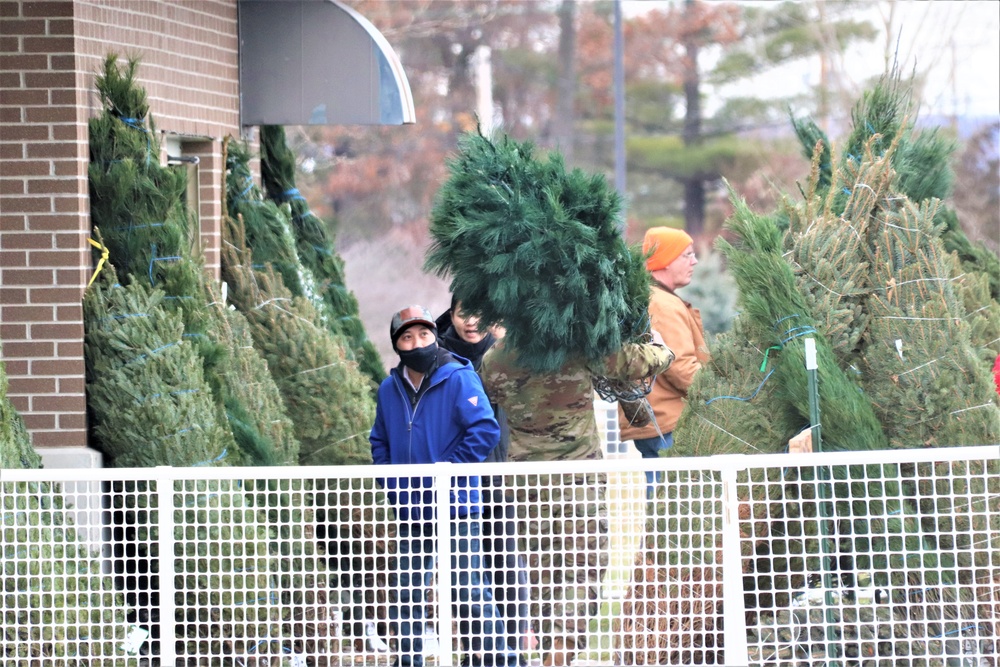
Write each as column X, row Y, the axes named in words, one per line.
column 483, row 68
column 165, row 545
column 442, row 598
column 734, row 613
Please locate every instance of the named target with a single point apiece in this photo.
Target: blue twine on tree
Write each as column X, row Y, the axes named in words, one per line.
column 321, row 250
column 145, row 355
column 154, row 258
column 150, row 397
column 131, row 226
column 291, row 194
column 740, row 398
column 225, row 452
column 137, row 124
column 799, row 331
column 123, row 317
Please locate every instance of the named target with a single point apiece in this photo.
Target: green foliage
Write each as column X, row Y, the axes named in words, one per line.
column 668, row 154
column 326, row 396
column 537, row 248
column 15, row 443
column 146, row 391
column 56, row 607
column 316, row 252
column 777, row 315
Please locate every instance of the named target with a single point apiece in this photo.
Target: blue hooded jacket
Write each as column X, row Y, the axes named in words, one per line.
column 452, row 421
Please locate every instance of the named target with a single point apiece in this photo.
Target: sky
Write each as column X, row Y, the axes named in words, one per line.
column 956, row 42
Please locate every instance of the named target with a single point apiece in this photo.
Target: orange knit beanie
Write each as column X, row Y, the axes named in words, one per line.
column 666, row 244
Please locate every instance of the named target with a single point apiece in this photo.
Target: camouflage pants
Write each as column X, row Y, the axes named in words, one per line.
column 563, row 524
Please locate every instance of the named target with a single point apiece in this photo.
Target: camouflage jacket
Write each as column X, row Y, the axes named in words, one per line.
column 551, row 415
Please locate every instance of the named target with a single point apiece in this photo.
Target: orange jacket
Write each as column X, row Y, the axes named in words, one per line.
column 680, row 325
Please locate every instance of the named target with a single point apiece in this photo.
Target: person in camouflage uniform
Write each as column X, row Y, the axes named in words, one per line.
column 564, row 517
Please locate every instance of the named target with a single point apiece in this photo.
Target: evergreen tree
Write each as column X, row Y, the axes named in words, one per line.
column 254, row 406
column 149, row 402
column 539, row 249
column 327, row 398
column 138, row 205
column 315, row 249
column 15, row 442
column 45, row 561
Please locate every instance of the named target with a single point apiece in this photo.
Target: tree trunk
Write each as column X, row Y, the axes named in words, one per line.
column 566, row 103
column 694, row 187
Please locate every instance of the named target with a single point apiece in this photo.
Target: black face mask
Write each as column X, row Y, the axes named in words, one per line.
column 419, row 359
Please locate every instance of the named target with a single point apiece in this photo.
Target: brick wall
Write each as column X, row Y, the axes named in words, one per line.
column 50, row 52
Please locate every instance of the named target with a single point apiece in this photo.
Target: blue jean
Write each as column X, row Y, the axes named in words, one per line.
column 650, row 448
column 472, row 595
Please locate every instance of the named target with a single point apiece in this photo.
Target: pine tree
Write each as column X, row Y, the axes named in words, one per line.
column 315, row 249
column 327, row 398
column 538, row 248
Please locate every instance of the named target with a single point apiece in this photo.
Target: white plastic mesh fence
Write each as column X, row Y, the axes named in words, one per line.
column 875, row 559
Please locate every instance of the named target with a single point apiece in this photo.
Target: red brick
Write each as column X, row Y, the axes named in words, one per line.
column 57, row 367
column 76, row 420
column 9, row 44
column 68, row 132
column 46, row 9
column 11, row 187
column 70, row 241
column 51, row 114
column 71, row 204
column 71, row 385
column 71, row 313
column 60, row 27
column 18, row 61
column 52, row 222
column 28, row 313
column 9, row 153
column 28, row 242
column 38, row 186
column 30, row 132
column 27, row 277
column 11, row 114
column 10, row 9
column 70, row 276
column 54, row 295
column 57, row 331
column 25, row 26
column 70, row 349
column 76, row 166
column 63, row 96
column 63, row 437
column 20, row 403
column 27, row 204
column 10, row 296
column 34, row 421
column 13, row 331
column 31, row 350
column 52, row 149
column 48, row 45
column 56, row 403
column 13, row 258
column 25, row 167
column 37, row 385
column 25, row 97
column 55, row 258
column 16, row 368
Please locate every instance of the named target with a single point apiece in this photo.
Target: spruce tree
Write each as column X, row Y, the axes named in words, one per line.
column 539, row 249
column 149, row 402
column 15, row 442
column 328, row 399
column 315, row 249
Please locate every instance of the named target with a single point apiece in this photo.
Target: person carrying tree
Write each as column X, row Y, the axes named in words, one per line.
column 432, row 409
column 671, row 261
column 459, row 333
column 551, row 418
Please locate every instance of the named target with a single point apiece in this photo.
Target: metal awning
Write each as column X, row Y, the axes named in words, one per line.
column 317, row 62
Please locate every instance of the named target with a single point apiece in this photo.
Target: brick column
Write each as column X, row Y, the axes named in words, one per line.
column 44, row 219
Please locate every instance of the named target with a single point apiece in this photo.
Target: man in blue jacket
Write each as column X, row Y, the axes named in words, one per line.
column 432, row 408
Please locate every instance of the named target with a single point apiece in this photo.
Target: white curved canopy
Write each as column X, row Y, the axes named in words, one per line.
column 317, row 62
